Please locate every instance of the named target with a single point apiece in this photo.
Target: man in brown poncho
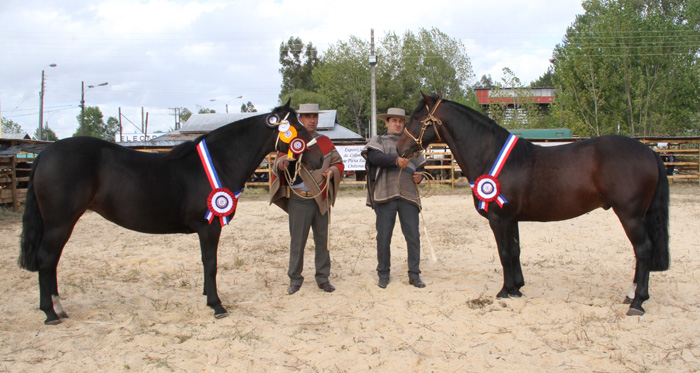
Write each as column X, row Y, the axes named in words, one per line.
column 308, row 201
column 387, row 198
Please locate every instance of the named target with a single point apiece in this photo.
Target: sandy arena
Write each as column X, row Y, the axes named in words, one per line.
column 135, row 300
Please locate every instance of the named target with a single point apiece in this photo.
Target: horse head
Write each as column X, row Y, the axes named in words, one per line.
column 422, row 129
column 293, row 138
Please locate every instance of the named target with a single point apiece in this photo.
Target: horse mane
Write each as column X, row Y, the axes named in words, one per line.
column 228, row 130
column 481, row 124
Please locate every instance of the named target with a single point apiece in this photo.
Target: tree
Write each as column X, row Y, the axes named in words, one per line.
column 206, row 110
column 300, row 96
column 343, row 77
column 10, row 126
column 95, row 126
column 47, row 133
column 248, row 108
column 185, row 114
column 429, row 61
column 518, row 109
column 486, row 82
column 630, row 67
column 298, row 62
column 546, row 80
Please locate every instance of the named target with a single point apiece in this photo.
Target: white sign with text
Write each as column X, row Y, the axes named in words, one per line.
column 352, row 159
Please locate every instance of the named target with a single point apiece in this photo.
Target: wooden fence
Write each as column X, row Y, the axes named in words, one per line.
column 681, row 154
column 441, row 163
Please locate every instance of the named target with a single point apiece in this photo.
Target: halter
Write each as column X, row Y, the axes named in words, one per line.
column 429, row 121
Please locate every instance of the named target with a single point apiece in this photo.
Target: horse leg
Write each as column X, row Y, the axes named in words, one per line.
column 209, row 242
column 636, row 233
column 518, row 271
column 629, row 297
column 48, row 256
column 503, row 231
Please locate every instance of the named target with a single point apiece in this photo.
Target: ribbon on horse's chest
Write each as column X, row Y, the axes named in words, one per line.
column 221, row 202
column 486, row 187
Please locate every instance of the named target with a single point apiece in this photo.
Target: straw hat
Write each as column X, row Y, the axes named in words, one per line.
column 393, row 112
column 308, row 109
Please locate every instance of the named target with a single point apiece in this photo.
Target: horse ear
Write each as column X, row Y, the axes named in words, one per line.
column 439, row 95
column 289, row 101
column 428, row 100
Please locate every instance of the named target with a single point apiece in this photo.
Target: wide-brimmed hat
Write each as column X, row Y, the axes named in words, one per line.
column 393, row 112
column 308, row 109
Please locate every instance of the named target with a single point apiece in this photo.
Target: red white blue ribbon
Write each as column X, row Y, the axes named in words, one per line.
column 221, row 202
column 486, row 187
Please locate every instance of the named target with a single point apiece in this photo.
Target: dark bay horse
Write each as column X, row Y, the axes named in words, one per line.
column 145, row 192
column 514, row 180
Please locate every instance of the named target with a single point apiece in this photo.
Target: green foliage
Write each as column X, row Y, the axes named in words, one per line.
column 248, row 108
column 300, row 96
column 10, row 126
column 47, row 133
column 545, row 80
column 429, row 61
column 520, row 110
column 95, row 126
column 298, row 62
column 343, row 77
column 185, row 114
column 630, row 67
column 206, row 110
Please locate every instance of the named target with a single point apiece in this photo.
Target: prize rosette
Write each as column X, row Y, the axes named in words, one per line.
column 221, row 202
column 272, row 121
column 297, row 146
column 487, row 188
column 288, row 135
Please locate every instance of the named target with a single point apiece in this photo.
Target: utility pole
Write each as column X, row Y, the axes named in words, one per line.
column 41, row 104
column 82, row 108
column 373, row 64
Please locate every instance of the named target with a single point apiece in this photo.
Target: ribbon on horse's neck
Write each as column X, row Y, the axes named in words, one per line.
column 430, row 120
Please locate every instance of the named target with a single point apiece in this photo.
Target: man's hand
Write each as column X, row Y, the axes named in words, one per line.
column 327, row 172
column 282, row 164
column 417, row 177
column 402, row 162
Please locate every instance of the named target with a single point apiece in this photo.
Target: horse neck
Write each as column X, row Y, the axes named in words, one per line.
column 237, row 153
column 474, row 139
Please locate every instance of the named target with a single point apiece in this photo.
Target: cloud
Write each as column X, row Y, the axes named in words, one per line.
column 160, row 54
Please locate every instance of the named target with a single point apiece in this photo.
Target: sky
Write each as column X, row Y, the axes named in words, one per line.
column 164, row 54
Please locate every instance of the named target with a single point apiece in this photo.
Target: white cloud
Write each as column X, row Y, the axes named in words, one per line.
column 158, row 54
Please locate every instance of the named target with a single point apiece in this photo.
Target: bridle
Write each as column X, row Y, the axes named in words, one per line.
column 287, row 134
column 430, row 120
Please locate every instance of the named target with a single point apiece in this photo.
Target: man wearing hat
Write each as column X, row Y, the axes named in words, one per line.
column 307, row 201
column 384, row 169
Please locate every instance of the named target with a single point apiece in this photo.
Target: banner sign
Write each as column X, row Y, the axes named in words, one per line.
column 135, row 137
column 352, row 159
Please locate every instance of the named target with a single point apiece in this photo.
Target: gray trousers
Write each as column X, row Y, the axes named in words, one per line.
column 303, row 215
column 386, row 219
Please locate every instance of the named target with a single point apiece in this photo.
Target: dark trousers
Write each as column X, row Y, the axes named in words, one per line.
column 304, row 215
column 386, row 219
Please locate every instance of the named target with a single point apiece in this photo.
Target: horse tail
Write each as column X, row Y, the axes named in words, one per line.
column 656, row 221
column 32, row 227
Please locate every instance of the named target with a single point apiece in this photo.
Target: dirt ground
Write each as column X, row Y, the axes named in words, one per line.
column 135, row 300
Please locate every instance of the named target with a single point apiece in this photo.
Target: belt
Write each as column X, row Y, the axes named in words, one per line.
column 303, row 193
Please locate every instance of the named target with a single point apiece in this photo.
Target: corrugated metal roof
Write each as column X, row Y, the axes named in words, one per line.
column 205, row 123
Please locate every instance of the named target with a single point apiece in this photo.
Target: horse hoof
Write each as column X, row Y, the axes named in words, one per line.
column 515, row 294
column 63, row 315
column 52, row 322
column 221, row 315
column 502, row 294
column 627, row 300
column 635, row 312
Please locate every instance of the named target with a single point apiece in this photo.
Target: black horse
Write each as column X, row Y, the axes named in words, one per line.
column 145, row 192
column 514, row 180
